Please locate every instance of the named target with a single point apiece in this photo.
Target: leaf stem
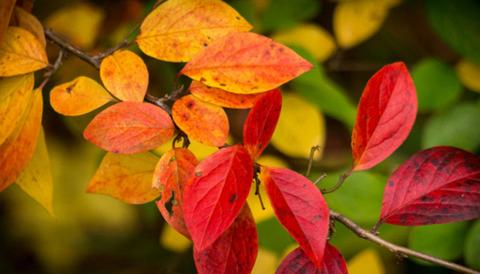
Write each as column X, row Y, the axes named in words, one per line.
column 339, row 183
column 399, row 250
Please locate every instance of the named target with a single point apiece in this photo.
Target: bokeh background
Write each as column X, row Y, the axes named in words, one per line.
column 347, row 40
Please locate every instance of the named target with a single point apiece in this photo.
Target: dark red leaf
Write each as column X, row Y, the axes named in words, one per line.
column 234, row 252
column 386, row 114
column 298, row 263
column 171, row 175
column 300, row 208
column 261, row 122
column 437, row 185
column 217, row 193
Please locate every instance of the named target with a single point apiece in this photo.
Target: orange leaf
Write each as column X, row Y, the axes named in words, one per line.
column 130, row 127
column 27, row 21
column 125, row 75
column 179, row 29
column 202, row 122
column 15, row 95
column 246, row 63
column 126, row 177
column 171, row 176
column 17, row 150
column 78, row 97
column 221, row 97
column 21, row 52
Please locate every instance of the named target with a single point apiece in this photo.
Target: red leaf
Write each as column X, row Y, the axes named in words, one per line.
column 130, row 127
column 234, row 252
column 217, row 193
column 437, row 185
column 386, row 114
column 171, row 175
column 300, row 208
column 298, row 263
column 261, row 122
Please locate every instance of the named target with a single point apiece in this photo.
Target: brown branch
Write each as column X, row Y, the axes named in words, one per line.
column 52, row 69
column 399, row 250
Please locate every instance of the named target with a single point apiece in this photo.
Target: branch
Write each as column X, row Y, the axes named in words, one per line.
column 399, row 250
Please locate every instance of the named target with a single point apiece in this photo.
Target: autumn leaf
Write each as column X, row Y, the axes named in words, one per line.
column 178, row 29
column 367, row 261
column 245, row 63
column 21, row 52
column 36, row 179
column 172, row 240
column 130, row 127
column 469, row 74
column 18, row 148
column 221, row 97
column 6, row 10
column 356, row 21
column 171, row 175
column 261, row 122
column 234, row 252
column 300, row 208
column 437, row 185
column 125, row 75
column 217, row 194
column 297, row 262
column 27, row 21
column 386, row 114
column 203, row 122
column 15, row 95
column 78, row 97
column 300, row 123
column 127, row 178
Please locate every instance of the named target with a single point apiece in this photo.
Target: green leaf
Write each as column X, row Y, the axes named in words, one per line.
column 456, row 127
column 316, row 87
column 282, row 14
column 457, row 24
column 472, row 246
column 272, row 236
column 444, row 241
column 352, row 199
column 437, row 84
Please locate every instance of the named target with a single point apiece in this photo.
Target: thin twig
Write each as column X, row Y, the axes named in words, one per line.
column 310, row 158
column 399, row 250
column 58, row 63
column 339, row 183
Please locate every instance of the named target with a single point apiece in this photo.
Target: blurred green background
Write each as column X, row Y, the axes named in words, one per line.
column 348, row 41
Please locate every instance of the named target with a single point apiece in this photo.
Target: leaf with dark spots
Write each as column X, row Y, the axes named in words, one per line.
column 386, row 114
column 302, row 211
column 297, row 262
column 208, row 206
column 437, row 185
column 172, row 173
column 234, row 252
column 261, row 122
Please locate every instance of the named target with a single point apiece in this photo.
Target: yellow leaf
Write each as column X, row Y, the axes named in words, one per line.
column 301, row 126
column 6, row 10
column 266, row 262
column 200, row 150
column 356, row 21
column 126, row 177
column 178, row 29
column 258, row 213
column 79, row 96
column 469, row 74
column 21, row 52
column 311, row 37
column 15, row 94
column 80, row 23
column 17, row 150
column 29, row 22
column 125, row 75
column 36, row 179
column 366, row 262
column 172, row 240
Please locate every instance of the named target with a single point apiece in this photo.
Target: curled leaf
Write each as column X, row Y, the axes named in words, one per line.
column 130, row 127
column 125, row 75
column 78, row 97
column 245, row 63
column 203, row 122
column 178, row 29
